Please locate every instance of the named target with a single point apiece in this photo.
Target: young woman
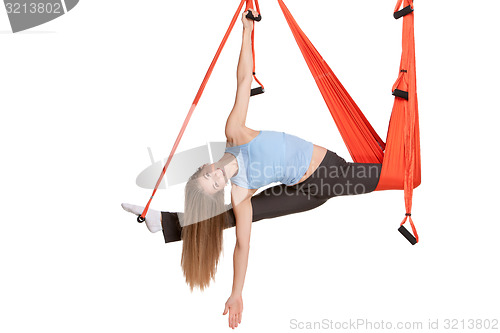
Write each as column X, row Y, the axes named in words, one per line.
column 309, row 174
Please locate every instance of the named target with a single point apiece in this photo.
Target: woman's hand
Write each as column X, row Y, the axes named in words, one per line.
column 234, row 305
column 247, row 23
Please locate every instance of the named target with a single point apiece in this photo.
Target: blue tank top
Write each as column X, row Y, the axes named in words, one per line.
column 271, row 157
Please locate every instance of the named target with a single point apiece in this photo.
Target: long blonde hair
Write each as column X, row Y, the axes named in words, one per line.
column 204, row 221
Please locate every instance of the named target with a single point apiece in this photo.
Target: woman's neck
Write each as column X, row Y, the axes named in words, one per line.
column 229, row 164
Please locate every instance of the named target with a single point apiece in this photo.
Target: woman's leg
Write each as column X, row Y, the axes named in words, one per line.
column 279, row 200
column 334, row 177
column 273, row 202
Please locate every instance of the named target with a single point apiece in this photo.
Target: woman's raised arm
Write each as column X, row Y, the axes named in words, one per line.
column 237, row 117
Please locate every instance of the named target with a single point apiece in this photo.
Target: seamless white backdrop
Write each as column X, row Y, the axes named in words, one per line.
column 83, row 96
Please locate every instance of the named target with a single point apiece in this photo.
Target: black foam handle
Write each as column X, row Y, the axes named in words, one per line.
column 405, row 11
column 256, row 91
column 251, row 17
column 400, row 93
column 407, row 235
column 140, row 219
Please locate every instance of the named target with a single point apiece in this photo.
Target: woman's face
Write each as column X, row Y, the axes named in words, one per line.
column 212, row 180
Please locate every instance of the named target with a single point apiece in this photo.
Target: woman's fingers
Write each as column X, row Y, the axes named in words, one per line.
column 234, row 319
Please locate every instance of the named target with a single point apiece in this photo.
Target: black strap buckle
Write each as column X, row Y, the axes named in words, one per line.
column 400, row 93
column 251, row 17
column 403, row 12
column 407, row 235
column 257, row 91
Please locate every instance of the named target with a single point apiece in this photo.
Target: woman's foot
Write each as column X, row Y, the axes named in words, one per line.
column 153, row 217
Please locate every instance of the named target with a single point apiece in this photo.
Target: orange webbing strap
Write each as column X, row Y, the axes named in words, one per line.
column 249, row 5
column 142, row 217
column 407, row 78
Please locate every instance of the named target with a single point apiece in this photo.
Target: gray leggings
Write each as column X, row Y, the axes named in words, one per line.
column 333, row 177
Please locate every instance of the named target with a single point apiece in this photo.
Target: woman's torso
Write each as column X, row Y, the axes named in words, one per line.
column 267, row 156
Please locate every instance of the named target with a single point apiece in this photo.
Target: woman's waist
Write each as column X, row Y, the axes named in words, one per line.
column 317, row 159
column 283, row 171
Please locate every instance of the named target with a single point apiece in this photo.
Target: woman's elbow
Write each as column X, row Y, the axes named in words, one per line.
column 244, row 80
column 231, row 130
column 243, row 245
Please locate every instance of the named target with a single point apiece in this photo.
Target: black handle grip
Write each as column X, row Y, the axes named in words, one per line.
column 140, row 219
column 400, row 93
column 407, row 235
column 256, row 91
column 405, row 11
column 251, row 17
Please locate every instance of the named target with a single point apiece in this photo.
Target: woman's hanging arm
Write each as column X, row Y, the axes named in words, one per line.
column 242, row 207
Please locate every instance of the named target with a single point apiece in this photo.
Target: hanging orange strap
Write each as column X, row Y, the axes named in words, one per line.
column 259, row 90
column 141, row 218
column 408, row 104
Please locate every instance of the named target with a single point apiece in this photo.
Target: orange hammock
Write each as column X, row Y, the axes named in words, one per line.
column 400, row 156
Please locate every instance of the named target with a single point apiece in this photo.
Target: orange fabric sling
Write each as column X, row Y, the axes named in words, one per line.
column 400, row 156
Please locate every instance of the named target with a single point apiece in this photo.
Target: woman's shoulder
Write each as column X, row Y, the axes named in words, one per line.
column 241, row 136
column 239, row 193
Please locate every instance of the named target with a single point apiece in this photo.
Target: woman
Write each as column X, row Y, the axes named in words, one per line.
column 309, row 174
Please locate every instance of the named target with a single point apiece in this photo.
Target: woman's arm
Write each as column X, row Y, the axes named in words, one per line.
column 242, row 207
column 237, row 117
column 243, row 214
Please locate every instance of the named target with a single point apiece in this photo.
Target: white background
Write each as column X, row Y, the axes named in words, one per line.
column 83, row 96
